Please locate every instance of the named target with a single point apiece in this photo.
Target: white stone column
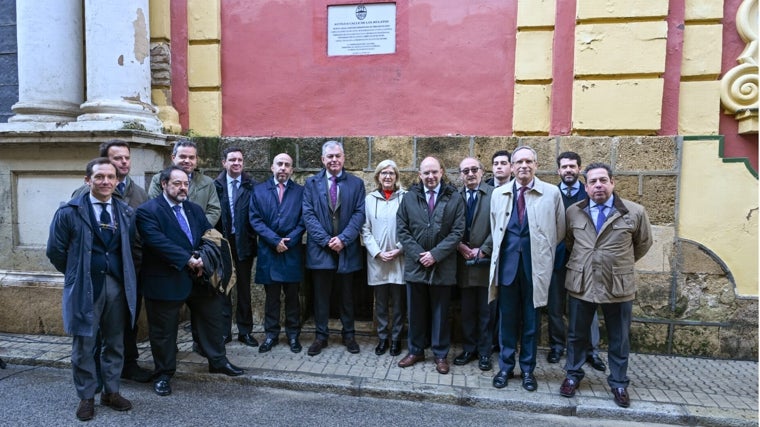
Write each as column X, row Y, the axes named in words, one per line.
column 118, row 66
column 50, row 61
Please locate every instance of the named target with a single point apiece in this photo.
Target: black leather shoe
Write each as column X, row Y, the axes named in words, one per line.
column 295, row 345
column 568, row 387
column 465, row 357
column 395, row 348
column 137, row 374
column 500, row 380
column 162, row 387
column 197, row 349
column 485, row 363
column 227, row 369
column 351, row 345
column 621, row 397
column 596, row 362
column 248, row 340
column 382, row 347
column 316, row 347
column 554, row 356
column 529, row 381
column 268, row 344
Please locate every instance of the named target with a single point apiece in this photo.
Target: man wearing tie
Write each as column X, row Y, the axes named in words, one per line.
column 275, row 214
column 606, row 236
column 472, row 268
column 172, row 229
column 430, row 225
column 527, row 222
column 569, row 169
column 333, row 212
column 90, row 243
column 233, row 186
column 129, row 192
column 202, row 191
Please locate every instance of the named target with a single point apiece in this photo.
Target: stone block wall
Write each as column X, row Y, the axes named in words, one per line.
column 687, row 302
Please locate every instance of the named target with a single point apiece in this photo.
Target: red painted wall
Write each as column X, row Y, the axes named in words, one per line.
column 451, row 73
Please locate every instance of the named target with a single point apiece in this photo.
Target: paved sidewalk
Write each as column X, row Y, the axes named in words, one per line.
column 664, row 389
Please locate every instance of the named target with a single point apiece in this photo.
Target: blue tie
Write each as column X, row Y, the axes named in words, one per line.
column 600, row 218
column 470, row 207
column 182, row 222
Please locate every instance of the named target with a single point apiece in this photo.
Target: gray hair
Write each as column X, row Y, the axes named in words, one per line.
column 526, row 147
column 330, row 144
column 384, row 165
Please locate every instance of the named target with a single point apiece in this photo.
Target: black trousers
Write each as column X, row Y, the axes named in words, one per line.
column 163, row 320
column 323, row 281
column 478, row 318
column 243, row 311
column 272, row 309
column 617, row 319
column 429, row 305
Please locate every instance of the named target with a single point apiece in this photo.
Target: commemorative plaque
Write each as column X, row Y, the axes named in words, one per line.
column 361, row 29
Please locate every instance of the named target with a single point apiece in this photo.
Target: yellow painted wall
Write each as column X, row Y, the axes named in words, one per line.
column 718, row 208
column 204, row 67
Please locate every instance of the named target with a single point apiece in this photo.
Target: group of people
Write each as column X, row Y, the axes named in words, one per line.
column 510, row 246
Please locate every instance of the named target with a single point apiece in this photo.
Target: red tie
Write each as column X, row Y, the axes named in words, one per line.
column 521, row 205
column 280, row 191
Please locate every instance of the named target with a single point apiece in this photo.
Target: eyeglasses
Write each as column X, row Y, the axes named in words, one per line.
column 387, row 173
column 470, row 170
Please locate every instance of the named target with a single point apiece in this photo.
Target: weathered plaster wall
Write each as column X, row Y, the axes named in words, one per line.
column 719, row 210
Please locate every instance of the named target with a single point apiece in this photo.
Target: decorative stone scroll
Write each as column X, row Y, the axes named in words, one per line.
column 739, row 86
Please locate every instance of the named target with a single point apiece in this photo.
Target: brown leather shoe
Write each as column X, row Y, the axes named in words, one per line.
column 410, row 359
column 568, row 387
column 621, row 397
column 86, row 409
column 316, row 347
column 442, row 365
column 115, row 401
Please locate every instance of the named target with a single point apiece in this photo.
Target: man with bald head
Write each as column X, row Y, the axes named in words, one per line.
column 430, row 224
column 275, row 214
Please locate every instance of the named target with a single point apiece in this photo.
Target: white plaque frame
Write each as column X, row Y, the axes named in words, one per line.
column 361, row 29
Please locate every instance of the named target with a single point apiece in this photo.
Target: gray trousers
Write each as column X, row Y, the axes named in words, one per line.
column 109, row 313
column 555, row 309
column 617, row 318
column 385, row 295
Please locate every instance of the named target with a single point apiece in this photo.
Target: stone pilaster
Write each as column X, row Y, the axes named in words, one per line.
column 50, row 63
column 118, row 66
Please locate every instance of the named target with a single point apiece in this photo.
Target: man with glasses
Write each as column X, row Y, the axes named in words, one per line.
column 527, row 222
column 472, row 268
column 172, row 229
column 430, row 225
